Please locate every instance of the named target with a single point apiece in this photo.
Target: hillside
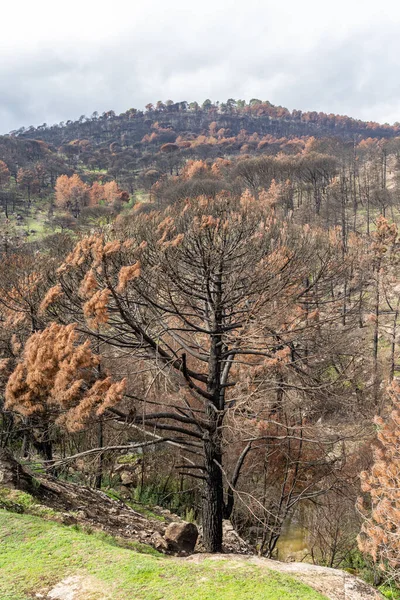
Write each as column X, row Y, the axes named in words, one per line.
column 140, row 155
column 257, row 116
column 199, row 311
column 63, row 541
column 36, row 555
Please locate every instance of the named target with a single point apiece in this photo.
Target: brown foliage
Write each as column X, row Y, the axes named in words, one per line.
column 58, row 378
column 71, row 193
column 380, row 537
column 109, row 193
column 4, row 173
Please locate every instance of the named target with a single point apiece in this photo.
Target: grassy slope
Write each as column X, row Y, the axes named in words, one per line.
column 35, row 554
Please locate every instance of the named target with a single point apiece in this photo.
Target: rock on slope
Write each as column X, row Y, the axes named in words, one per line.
column 78, row 504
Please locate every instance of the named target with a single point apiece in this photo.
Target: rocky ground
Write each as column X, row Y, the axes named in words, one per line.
column 92, row 509
column 333, row 583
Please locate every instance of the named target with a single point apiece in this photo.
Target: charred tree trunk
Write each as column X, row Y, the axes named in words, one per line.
column 12, row 474
column 213, row 495
column 213, row 489
column 26, row 438
column 99, row 472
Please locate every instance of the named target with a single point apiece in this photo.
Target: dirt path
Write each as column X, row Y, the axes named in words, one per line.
column 77, row 587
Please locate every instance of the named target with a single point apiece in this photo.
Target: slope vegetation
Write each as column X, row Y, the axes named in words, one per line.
column 36, row 555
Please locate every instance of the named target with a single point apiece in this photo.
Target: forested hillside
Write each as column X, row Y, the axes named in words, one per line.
column 200, row 310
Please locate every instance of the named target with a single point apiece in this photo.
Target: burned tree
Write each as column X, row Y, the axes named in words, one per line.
column 202, row 296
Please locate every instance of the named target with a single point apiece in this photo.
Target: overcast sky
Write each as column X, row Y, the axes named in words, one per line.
column 59, row 60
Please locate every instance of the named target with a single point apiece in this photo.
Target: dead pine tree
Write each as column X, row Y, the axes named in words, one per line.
column 188, row 294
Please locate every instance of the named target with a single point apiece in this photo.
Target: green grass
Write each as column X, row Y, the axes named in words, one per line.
column 37, row 224
column 141, row 196
column 388, row 592
column 35, row 554
column 20, row 502
column 34, row 219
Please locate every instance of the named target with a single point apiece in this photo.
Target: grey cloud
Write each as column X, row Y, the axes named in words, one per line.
column 354, row 74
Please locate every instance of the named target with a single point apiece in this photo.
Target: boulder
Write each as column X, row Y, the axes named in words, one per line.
column 159, row 542
column 12, row 474
column 181, row 537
